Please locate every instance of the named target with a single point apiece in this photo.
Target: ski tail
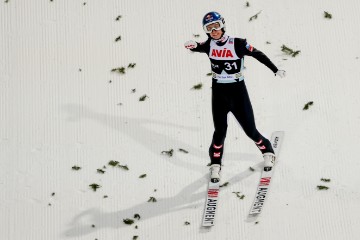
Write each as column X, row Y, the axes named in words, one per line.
column 211, row 204
column 276, row 141
column 265, row 180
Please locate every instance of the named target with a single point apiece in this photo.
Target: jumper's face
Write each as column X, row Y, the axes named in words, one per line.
column 214, row 29
column 216, row 34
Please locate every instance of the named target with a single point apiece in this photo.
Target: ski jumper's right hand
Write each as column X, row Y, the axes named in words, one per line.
column 281, row 73
column 190, row 44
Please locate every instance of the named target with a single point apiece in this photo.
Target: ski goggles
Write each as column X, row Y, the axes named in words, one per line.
column 217, row 25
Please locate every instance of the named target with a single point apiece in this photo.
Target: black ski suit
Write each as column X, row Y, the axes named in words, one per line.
column 229, row 93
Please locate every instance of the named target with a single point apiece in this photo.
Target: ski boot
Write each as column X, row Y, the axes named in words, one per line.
column 269, row 161
column 215, row 173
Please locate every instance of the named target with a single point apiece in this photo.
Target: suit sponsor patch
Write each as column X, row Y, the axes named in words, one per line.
column 249, row 47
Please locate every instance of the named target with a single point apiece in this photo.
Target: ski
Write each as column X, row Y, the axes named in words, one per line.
column 211, row 204
column 265, row 179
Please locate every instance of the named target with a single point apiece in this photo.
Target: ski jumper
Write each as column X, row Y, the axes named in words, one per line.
column 229, row 93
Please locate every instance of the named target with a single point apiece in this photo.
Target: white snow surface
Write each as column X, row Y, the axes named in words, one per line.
column 61, row 106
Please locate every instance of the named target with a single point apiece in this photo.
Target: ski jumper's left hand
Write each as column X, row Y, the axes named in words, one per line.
column 281, row 73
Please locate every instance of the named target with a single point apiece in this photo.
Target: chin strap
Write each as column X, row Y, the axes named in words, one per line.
column 222, row 39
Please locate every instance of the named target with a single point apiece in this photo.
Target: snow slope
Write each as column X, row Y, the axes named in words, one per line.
column 61, row 106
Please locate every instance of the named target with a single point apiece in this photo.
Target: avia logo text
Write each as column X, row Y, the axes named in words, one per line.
column 223, row 53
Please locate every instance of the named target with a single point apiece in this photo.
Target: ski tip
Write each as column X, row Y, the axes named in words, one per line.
column 205, row 229
column 207, row 226
column 279, row 133
column 252, row 217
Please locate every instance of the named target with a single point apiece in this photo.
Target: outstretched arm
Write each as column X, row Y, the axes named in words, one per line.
column 245, row 48
column 198, row 47
column 261, row 57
